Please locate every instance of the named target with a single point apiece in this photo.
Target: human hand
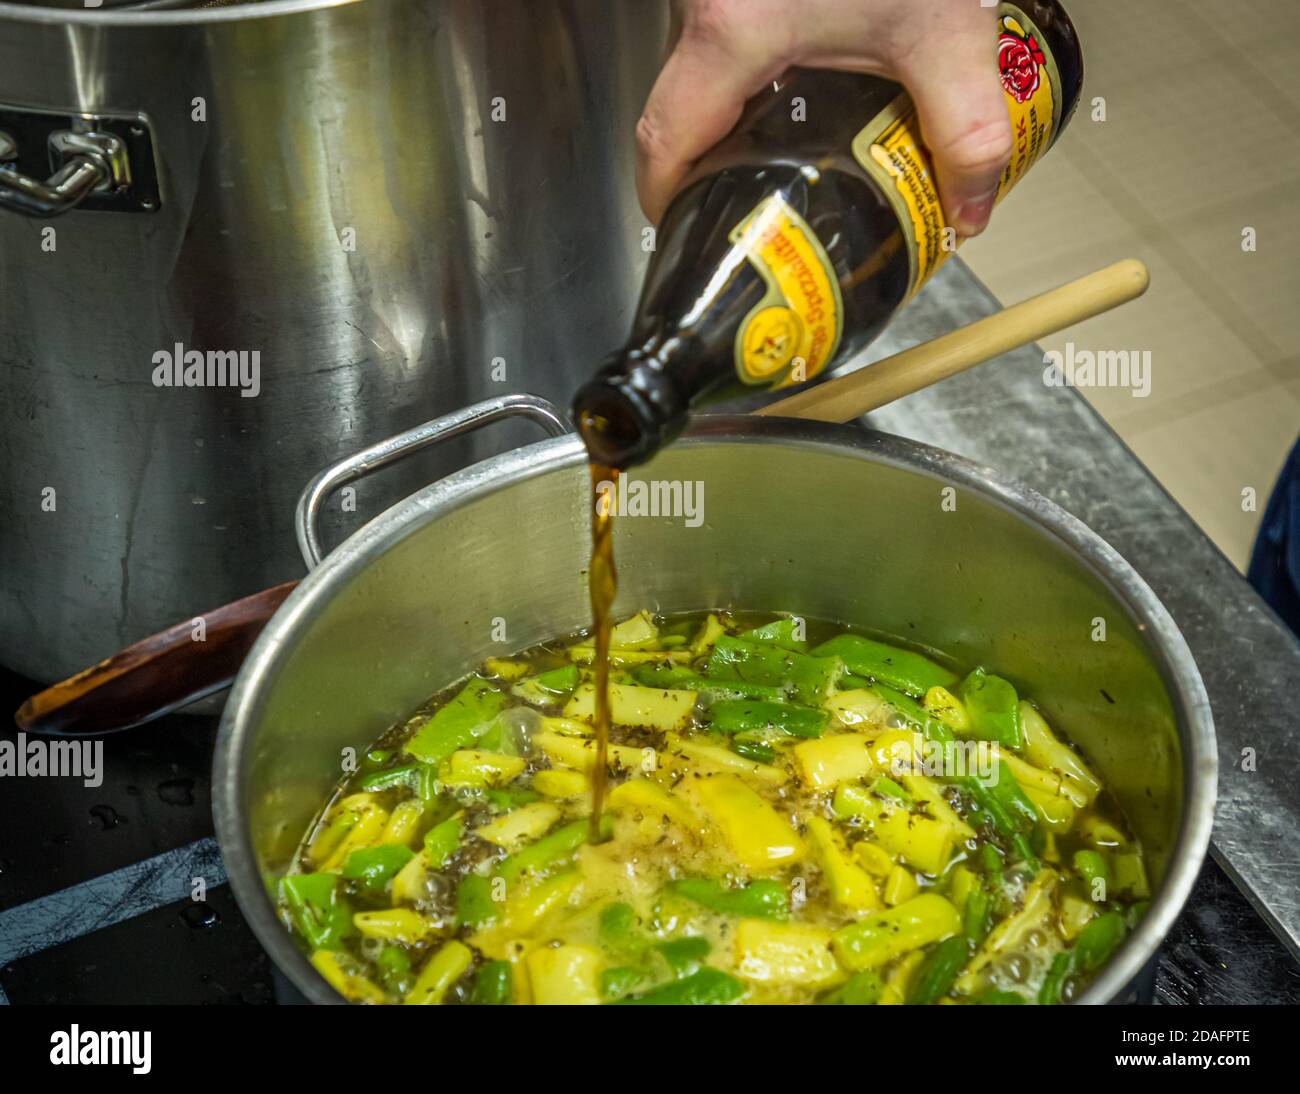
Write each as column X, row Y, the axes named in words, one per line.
column 942, row 51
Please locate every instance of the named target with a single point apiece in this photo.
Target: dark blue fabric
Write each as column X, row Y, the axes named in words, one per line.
column 1275, row 563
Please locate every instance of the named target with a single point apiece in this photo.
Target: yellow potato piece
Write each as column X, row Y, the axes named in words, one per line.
column 403, row 823
column 565, row 975
column 561, row 784
column 642, row 795
column 473, row 768
column 900, row 886
column 630, row 705
column 921, row 841
column 440, row 972
column 580, row 753
column 519, row 826
column 758, row 836
column 850, row 885
column 858, row 707
column 338, row 971
column 873, row 858
column 828, row 761
column 393, row 925
column 700, row 753
column 786, row 953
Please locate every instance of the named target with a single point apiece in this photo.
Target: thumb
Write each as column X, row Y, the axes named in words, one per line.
column 964, row 122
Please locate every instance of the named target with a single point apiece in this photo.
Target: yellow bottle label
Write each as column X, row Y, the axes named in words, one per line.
column 889, row 147
column 793, row 332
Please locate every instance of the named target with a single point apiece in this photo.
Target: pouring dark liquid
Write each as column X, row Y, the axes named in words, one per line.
column 797, row 239
column 602, row 578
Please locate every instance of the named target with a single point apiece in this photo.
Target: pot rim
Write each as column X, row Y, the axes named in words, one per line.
column 110, row 17
column 1170, row 653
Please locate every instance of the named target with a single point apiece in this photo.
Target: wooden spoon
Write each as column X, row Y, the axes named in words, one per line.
column 865, row 389
column 170, row 669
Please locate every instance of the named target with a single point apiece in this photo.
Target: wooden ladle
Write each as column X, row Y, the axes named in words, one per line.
column 168, row 670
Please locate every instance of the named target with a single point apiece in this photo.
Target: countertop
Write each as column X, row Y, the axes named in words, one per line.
column 95, row 883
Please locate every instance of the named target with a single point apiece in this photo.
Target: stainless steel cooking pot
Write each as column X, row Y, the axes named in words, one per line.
column 826, row 521
column 401, row 206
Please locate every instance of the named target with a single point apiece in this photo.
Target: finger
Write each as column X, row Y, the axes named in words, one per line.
column 963, row 114
column 694, row 103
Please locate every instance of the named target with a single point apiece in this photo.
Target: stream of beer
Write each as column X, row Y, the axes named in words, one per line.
column 602, row 579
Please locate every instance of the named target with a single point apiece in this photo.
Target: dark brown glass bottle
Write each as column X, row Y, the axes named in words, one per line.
column 797, row 238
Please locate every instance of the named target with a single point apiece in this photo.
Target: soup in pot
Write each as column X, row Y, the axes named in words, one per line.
column 795, row 813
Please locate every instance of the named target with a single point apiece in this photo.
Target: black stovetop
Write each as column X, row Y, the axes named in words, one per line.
column 95, row 892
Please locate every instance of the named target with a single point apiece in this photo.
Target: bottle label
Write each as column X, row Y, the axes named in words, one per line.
column 790, row 335
column 889, row 148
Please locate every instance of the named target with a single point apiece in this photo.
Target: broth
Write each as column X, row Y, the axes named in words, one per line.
column 796, row 813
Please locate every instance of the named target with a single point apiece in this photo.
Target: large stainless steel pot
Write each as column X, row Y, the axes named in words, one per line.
column 826, row 521
column 347, row 206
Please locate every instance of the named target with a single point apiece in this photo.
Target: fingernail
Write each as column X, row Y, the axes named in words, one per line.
column 974, row 215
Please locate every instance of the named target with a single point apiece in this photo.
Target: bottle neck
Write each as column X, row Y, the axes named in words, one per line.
column 633, row 406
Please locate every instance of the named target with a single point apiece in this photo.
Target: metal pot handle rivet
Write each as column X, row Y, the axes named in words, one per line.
column 458, row 422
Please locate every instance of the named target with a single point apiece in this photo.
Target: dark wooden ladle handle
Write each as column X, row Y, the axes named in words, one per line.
column 155, row 676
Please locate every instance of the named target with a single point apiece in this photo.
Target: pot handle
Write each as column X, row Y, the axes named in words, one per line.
column 95, row 161
column 458, row 422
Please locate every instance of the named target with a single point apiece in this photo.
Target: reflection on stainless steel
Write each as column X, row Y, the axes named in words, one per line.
column 827, row 521
column 489, row 256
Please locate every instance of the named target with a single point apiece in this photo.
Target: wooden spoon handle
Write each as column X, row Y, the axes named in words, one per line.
column 861, row 391
column 157, row 675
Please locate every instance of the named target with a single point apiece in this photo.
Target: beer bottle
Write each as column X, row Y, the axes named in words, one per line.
column 796, row 240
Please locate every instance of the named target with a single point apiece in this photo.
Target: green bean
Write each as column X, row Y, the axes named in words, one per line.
column 668, row 676
column 1098, row 940
column 1049, row 992
column 885, row 664
column 994, row 709
column 1091, row 866
column 862, row 989
column 751, row 715
column 551, row 850
column 322, row 915
column 809, row 679
column 406, row 775
column 994, row 998
column 511, row 797
column 474, row 904
column 683, row 955
column 621, row 981
column 977, row 916
column 938, row 972
column 372, row 867
column 548, row 688
column 394, row 966
column 707, row 986
column 780, row 632
column 1012, row 824
column 753, row 750
column 493, row 984
column 457, row 724
column 764, row 898
column 441, row 841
